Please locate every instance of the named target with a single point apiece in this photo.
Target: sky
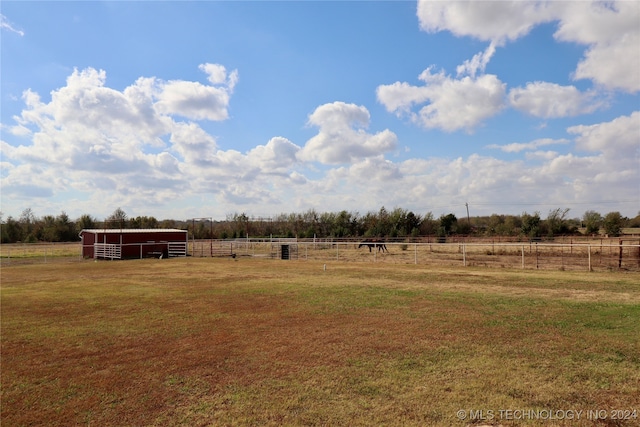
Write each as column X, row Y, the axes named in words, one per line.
column 180, row 110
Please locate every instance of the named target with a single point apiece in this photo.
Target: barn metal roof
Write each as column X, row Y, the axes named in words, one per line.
column 131, row 230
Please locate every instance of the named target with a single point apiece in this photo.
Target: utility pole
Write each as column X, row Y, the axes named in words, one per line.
column 468, row 218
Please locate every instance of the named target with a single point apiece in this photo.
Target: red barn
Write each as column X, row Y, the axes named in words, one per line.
column 133, row 243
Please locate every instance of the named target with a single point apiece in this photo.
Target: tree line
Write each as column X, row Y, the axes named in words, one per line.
column 384, row 223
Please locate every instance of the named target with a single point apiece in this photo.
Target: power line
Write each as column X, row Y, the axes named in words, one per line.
column 602, row 202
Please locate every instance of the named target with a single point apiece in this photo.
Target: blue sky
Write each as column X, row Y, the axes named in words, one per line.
column 205, row 109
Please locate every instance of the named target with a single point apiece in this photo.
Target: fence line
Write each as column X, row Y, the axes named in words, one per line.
column 524, row 255
column 585, row 256
column 28, row 253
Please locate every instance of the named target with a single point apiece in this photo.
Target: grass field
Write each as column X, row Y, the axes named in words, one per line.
column 200, row 341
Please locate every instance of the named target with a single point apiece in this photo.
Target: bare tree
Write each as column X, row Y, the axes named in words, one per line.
column 118, row 219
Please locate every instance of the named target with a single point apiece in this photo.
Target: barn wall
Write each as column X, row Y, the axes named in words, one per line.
column 88, row 239
column 134, row 245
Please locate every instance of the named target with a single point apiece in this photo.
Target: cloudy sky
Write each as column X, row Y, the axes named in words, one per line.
column 209, row 108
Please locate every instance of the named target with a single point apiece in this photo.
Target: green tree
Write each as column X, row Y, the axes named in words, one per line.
column 325, row 224
column 494, row 224
column 511, row 226
column 634, row 222
column 369, row 223
column 86, row 222
column 344, row 224
column 311, row 221
column 383, row 225
column 398, row 222
column 592, row 221
column 11, row 231
column 531, row 225
column 448, row 224
column 65, row 228
column 413, row 223
column 143, row 222
column 241, row 224
column 170, row 223
column 49, row 232
column 612, row 223
column 463, row 227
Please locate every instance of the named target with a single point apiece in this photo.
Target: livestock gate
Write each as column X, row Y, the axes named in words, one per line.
column 284, row 248
column 203, row 244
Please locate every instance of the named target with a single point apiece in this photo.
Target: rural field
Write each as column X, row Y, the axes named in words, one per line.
column 251, row 341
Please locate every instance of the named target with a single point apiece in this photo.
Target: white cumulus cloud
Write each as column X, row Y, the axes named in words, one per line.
column 452, row 104
column 277, row 156
column 522, row 146
column 618, row 139
column 343, row 137
column 550, row 100
column 609, row 30
column 495, row 21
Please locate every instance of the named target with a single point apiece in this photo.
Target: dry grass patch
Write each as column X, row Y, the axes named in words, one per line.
column 228, row 342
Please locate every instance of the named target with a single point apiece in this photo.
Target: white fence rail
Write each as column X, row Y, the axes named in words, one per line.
column 107, row 251
column 139, row 250
column 177, row 249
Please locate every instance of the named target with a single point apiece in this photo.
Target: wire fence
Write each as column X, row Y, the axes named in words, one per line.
column 595, row 255
column 31, row 253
